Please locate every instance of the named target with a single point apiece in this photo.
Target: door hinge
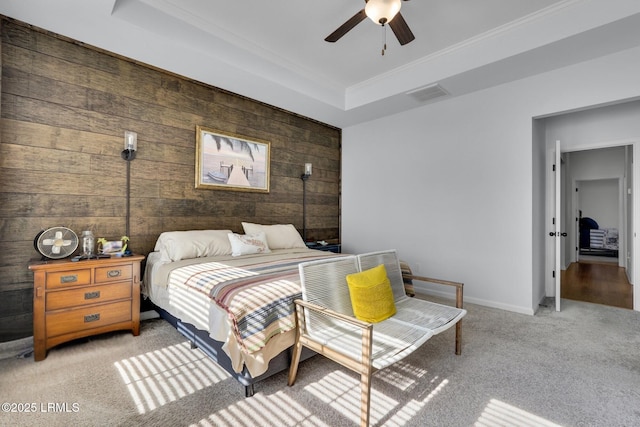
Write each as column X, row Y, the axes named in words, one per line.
column 554, row 274
column 554, row 168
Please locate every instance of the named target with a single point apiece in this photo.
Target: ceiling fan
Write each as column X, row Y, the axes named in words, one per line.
column 381, row 12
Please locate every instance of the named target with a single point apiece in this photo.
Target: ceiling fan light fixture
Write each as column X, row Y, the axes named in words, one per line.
column 382, row 11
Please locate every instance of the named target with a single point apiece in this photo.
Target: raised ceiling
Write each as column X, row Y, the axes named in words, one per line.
column 274, row 51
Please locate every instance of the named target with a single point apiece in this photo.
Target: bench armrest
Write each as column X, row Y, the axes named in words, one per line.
column 459, row 286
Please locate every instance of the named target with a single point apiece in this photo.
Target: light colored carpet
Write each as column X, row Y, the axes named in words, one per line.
column 579, row 367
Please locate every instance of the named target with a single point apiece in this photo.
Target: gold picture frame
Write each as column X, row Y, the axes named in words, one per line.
column 231, row 162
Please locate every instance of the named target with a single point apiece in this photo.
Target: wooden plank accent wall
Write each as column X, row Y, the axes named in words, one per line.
column 64, row 109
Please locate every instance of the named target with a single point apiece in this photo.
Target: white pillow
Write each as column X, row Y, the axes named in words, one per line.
column 279, row 236
column 178, row 245
column 246, row 244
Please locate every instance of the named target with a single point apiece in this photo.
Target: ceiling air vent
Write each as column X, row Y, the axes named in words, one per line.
column 427, row 93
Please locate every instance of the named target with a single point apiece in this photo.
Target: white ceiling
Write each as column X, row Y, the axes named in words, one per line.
column 274, row 51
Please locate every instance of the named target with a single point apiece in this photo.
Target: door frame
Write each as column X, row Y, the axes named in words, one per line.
column 632, row 246
column 558, row 180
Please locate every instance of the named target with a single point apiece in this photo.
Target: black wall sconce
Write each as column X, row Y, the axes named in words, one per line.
column 128, row 154
column 304, row 177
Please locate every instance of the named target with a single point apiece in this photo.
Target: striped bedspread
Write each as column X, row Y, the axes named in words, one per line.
column 258, row 297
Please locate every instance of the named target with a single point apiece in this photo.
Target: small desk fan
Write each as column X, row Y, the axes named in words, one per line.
column 56, row 242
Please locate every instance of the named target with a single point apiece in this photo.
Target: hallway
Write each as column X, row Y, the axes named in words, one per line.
column 597, row 282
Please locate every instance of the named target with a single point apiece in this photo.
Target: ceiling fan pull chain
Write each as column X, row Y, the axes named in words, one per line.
column 384, row 39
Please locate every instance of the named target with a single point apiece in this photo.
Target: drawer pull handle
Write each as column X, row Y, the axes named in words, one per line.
column 91, row 317
column 92, row 295
column 113, row 273
column 69, row 279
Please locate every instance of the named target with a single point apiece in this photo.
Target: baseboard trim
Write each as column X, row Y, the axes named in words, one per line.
column 16, row 348
column 149, row 314
column 428, row 290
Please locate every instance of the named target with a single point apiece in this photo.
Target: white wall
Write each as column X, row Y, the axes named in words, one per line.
column 607, row 125
column 451, row 184
column 598, row 199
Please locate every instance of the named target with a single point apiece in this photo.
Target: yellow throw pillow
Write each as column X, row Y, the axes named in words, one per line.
column 371, row 295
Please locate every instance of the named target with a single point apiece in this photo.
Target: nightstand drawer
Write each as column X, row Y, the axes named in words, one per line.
column 59, row 279
column 113, row 273
column 87, row 318
column 87, row 295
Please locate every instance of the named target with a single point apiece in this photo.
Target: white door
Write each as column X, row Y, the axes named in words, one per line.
column 577, row 214
column 557, row 233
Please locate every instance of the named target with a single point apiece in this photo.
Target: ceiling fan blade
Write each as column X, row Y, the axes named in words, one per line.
column 401, row 29
column 346, row 27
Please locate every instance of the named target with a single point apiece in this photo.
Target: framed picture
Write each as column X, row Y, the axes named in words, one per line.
column 231, row 162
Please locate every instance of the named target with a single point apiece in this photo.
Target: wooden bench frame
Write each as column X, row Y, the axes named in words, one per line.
column 364, row 365
column 459, row 288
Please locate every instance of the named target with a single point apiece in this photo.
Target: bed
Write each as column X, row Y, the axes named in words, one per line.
column 232, row 294
column 595, row 240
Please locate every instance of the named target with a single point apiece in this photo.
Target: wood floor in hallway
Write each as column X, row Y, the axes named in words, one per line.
column 597, row 282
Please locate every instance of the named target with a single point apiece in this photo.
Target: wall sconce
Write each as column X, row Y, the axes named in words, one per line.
column 128, row 154
column 307, row 171
column 130, row 145
column 304, row 177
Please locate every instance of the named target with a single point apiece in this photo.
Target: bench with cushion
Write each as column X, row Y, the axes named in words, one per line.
column 387, row 325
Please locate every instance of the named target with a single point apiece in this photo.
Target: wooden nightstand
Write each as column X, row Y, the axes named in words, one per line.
column 77, row 299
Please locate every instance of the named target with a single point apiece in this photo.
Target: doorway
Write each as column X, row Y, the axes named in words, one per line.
column 596, row 213
column 598, row 207
column 588, row 128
